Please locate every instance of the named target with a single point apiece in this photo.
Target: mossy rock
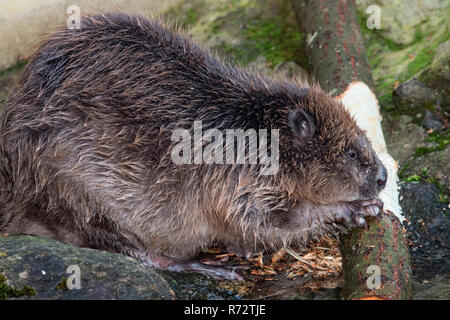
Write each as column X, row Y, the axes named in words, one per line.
column 242, row 31
column 400, row 20
column 38, row 268
column 437, row 75
column 413, row 96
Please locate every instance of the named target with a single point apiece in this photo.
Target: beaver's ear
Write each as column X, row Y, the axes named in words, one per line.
column 302, row 125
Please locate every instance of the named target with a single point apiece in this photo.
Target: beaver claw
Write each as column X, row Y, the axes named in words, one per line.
column 354, row 212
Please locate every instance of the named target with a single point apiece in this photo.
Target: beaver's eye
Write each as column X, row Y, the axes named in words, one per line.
column 351, row 154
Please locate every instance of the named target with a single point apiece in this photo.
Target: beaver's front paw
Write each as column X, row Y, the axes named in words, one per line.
column 354, row 212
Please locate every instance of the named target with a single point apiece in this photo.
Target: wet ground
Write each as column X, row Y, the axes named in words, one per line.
column 427, row 227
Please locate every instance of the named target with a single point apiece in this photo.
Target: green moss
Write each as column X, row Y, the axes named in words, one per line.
column 421, row 61
column 391, row 62
column 7, row 291
column 244, row 30
column 425, row 175
column 402, row 171
column 183, row 18
column 444, row 193
column 440, row 137
column 385, row 99
column 375, row 36
column 421, row 151
column 412, row 178
column 441, row 140
column 444, row 198
column 424, row 57
column 62, row 285
column 275, row 41
column 191, row 17
column 274, row 37
column 15, row 67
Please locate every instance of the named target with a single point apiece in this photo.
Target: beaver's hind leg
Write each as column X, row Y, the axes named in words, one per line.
column 24, row 218
column 178, row 265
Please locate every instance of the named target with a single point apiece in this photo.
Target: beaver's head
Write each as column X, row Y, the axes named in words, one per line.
column 329, row 154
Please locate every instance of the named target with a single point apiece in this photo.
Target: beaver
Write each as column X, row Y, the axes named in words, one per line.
column 86, row 138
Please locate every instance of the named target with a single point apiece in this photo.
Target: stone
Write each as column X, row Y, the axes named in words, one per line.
column 400, row 19
column 427, row 224
column 437, row 75
column 432, row 121
column 403, row 137
column 436, row 164
column 437, row 288
column 44, row 266
column 413, row 96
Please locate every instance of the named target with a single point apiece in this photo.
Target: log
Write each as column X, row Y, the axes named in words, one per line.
column 379, row 251
column 334, row 45
column 375, row 260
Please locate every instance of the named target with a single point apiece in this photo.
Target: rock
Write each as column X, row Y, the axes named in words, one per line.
column 245, row 32
column 427, row 228
column 400, row 19
column 43, row 263
column 192, row 286
column 403, row 137
column 410, row 145
column 40, row 265
column 436, row 165
column 437, row 288
column 413, row 96
column 437, row 75
column 432, row 121
column 411, row 33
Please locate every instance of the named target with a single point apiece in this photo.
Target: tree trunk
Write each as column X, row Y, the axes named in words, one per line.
column 376, row 261
column 334, row 45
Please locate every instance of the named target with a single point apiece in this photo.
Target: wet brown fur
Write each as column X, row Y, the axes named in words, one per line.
column 85, row 147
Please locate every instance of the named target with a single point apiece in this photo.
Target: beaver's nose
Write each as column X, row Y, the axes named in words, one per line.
column 381, row 178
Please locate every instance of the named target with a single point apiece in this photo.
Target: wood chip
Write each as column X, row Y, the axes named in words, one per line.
column 220, row 256
column 296, row 256
column 277, row 256
column 258, row 261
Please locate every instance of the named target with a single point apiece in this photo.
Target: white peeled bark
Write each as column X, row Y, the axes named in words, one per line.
column 362, row 103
